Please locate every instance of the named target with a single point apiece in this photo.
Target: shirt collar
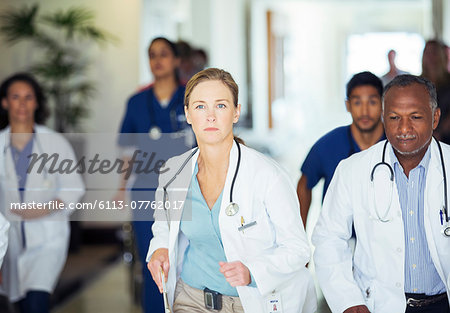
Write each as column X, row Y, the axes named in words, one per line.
column 423, row 163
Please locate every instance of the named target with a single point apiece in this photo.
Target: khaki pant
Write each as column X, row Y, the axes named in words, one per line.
column 189, row 300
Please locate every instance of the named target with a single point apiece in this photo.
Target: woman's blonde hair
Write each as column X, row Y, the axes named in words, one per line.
column 212, row 74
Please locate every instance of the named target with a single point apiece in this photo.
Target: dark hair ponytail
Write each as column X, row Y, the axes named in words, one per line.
column 240, row 140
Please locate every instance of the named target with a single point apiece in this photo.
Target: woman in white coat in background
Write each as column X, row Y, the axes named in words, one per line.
column 248, row 257
column 38, row 238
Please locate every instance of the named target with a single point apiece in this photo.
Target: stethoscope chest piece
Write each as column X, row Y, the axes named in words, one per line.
column 232, row 209
column 154, row 133
column 47, row 183
column 446, row 231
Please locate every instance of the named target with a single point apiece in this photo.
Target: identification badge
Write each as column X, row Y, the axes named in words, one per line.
column 274, row 303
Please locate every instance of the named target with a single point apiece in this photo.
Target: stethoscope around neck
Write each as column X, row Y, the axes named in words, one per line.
column 155, row 131
column 231, row 209
column 444, row 216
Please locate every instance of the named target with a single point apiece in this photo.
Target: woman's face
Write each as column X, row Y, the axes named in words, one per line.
column 20, row 102
column 162, row 60
column 211, row 112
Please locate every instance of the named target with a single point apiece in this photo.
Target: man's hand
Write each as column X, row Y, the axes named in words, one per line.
column 236, row 273
column 357, row 309
column 304, row 197
column 160, row 258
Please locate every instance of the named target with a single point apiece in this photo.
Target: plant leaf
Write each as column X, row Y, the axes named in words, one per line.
column 77, row 21
column 19, row 24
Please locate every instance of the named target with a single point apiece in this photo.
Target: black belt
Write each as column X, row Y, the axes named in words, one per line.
column 415, row 300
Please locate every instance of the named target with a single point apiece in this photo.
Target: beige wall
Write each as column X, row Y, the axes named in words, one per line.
column 446, row 22
column 320, row 75
column 114, row 67
column 218, row 26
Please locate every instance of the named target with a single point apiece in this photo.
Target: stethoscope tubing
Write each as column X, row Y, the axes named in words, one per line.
column 238, row 164
column 444, row 175
column 172, row 110
column 165, row 195
column 383, row 162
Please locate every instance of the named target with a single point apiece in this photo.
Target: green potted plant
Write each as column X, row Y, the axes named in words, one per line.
column 61, row 38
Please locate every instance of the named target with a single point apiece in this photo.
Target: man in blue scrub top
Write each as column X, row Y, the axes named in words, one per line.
column 364, row 92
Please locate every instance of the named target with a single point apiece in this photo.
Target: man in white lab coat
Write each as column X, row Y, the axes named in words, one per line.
column 393, row 193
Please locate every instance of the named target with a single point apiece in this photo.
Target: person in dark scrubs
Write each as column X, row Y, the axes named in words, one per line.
column 152, row 111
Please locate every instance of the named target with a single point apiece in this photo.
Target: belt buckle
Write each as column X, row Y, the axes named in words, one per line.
column 414, row 303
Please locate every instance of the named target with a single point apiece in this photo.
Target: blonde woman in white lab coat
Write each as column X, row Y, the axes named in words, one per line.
column 38, row 239
column 254, row 256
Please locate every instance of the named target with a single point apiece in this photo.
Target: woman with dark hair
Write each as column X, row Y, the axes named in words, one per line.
column 154, row 110
column 39, row 234
column 158, row 108
column 40, row 114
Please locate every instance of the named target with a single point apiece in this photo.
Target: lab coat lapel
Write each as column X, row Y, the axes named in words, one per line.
column 381, row 195
column 11, row 181
column 180, row 193
column 230, row 174
column 386, row 201
column 224, row 219
column 35, row 184
column 434, row 183
column 395, row 208
column 433, row 202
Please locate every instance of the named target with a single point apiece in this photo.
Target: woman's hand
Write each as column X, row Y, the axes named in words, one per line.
column 39, row 210
column 236, row 273
column 160, row 258
column 120, row 195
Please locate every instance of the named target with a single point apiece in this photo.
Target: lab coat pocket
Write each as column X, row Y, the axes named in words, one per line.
column 256, row 234
column 45, row 232
column 366, row 285
column 35, row 234
column 369, row 297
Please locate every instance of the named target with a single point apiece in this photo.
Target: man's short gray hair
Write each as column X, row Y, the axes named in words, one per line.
column 407, row 80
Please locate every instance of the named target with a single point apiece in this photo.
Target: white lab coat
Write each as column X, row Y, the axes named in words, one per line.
column 4, row 227
column 375, row 276
column 38, row 265
column 275, row 250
